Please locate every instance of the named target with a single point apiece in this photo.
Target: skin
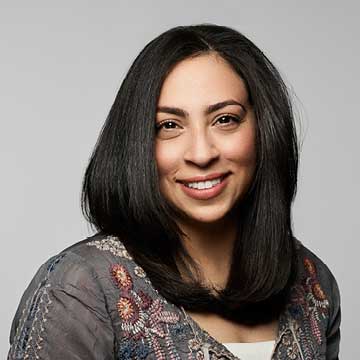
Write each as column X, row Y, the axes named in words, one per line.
column 197, row 143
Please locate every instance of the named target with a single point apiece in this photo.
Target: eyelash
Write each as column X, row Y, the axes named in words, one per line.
column 160, row 125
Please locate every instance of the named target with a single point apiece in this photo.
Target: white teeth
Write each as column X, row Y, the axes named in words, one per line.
column 204, row 184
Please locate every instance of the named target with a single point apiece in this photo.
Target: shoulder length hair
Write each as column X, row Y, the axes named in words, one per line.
column 121, row 197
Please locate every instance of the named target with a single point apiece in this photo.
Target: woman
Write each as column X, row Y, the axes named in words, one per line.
column 190, row 189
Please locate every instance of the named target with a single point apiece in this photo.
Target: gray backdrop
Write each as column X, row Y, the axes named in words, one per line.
column 62, row 63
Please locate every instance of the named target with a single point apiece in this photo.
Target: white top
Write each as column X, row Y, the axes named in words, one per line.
column 261, row 350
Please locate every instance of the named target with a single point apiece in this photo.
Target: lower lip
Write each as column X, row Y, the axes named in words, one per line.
column 204, row 194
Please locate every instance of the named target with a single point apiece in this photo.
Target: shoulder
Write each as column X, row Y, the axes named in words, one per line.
column 316, row 291
column 69, row 287
column 86, row 263
column 108, row 259
column 75, row 295
column 314, row 271
column 91, row 270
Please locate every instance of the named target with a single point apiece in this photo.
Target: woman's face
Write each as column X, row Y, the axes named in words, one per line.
column 205, row 127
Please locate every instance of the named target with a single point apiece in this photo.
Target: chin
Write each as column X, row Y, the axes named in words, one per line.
column 206, row 217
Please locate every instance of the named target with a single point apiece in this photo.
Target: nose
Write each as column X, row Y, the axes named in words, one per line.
column 202, row 149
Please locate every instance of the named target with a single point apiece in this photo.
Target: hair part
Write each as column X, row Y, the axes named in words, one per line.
column 121, row 195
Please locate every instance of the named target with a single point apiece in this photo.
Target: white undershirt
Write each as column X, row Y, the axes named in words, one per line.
column 261, row 350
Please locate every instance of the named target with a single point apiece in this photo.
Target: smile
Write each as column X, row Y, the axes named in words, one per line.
column 204, row 190
column 204, row 184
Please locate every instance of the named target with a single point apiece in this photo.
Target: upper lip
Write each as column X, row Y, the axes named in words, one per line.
column 204, row 177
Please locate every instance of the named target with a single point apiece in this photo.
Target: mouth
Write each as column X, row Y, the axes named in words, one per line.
column 204, row 190
column 203, row 179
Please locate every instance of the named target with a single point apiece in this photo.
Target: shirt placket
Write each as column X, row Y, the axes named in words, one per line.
column 287, row 344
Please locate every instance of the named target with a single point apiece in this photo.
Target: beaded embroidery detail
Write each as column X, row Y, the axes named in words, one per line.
column 116, row 247
column 308, row 308
column 112, row 244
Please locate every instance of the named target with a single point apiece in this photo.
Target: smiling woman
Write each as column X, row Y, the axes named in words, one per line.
column 212, row 137
column 189, row 188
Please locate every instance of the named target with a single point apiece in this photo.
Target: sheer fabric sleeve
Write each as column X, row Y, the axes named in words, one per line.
column 333, row 331
column 63, row 314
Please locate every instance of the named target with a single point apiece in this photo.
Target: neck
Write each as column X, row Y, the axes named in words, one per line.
column 211, row 246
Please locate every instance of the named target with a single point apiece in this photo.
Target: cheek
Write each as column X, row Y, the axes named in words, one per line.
column 241, row 149
column 167, row 157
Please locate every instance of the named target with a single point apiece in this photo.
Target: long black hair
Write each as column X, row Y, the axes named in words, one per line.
column 121, row 196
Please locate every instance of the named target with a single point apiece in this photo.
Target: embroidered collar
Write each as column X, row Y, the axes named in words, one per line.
column 209, row 345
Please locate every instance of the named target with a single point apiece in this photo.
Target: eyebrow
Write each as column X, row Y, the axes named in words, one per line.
column 210, row 109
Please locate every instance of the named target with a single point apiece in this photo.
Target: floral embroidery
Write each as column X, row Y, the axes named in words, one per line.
column 147, row 322
column 309, row 306
column 317, row 306
column 143, row 319
column 121, row 277
column 117, row 248
column 127, row 309
column 310, row 267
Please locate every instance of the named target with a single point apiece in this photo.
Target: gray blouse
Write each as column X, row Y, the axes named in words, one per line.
column 92, row 301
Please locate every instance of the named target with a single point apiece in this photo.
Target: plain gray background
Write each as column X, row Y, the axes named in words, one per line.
column 61, row 65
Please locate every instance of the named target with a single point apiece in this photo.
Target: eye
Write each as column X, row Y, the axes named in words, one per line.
column 227, row 119
column 168, row 124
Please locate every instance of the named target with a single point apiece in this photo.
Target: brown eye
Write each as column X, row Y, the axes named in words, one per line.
column 166, row 125
column 227, row 119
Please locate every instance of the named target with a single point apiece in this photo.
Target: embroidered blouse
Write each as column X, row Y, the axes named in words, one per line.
column 93, row 301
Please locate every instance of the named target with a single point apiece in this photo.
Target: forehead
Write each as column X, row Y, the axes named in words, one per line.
column 205, row 78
